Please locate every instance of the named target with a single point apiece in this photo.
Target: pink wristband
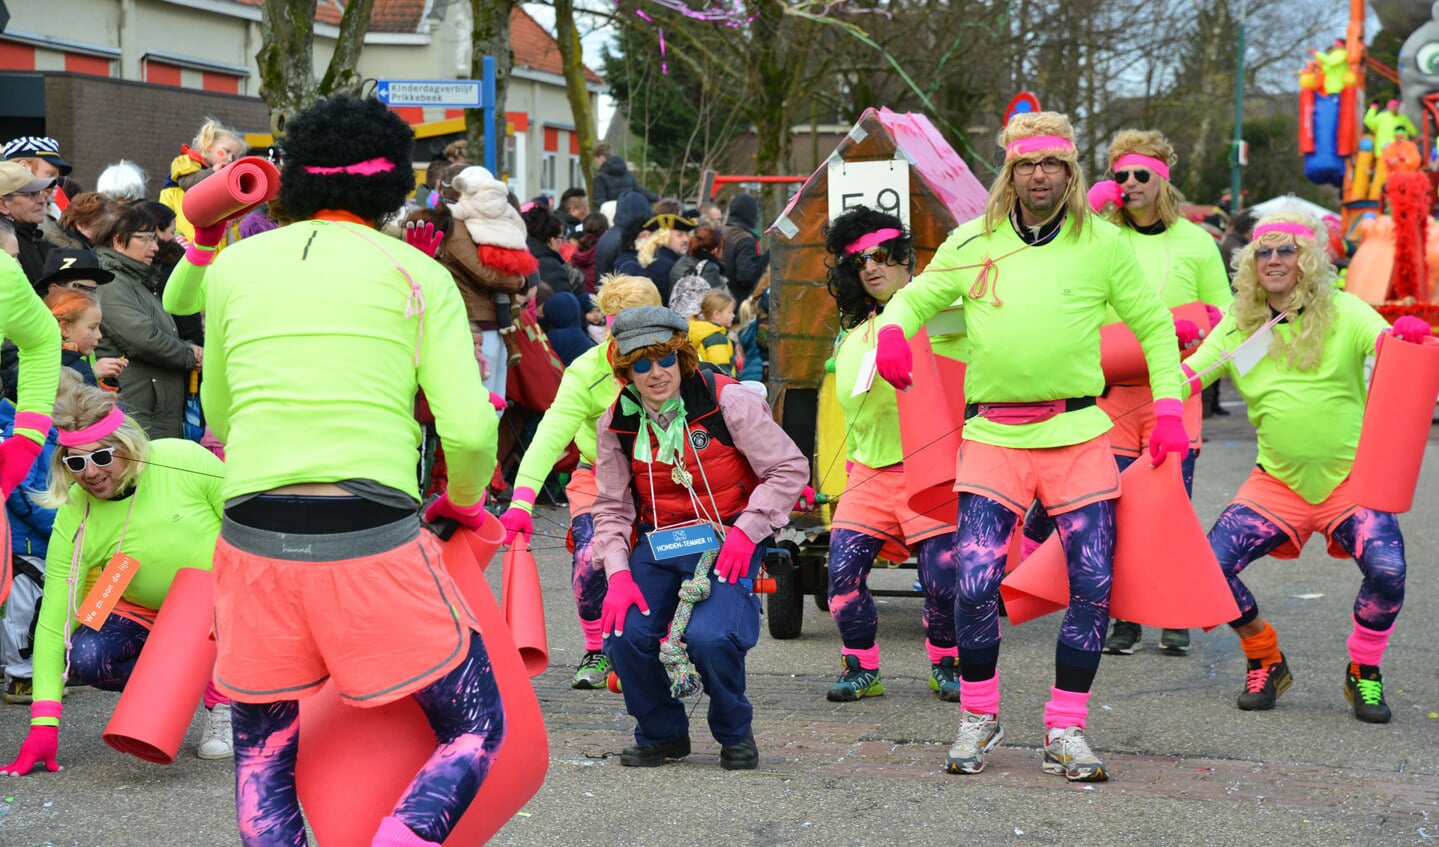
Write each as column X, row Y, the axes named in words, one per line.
column 1195, row 386
column 523, row 494
column 199, row 256
column 1169, row 406
column 45, row 709
column 37, row 421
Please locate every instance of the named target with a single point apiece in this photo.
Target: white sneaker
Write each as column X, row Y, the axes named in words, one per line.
column 978, row 734
column 1067, row 753
column 217, row 742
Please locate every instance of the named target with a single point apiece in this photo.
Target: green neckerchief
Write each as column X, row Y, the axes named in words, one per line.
column 671, row 440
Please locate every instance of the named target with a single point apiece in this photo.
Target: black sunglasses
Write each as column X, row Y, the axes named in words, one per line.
column 1141, row 177
column 879, row 255
column 642, row 366
column 100, row 458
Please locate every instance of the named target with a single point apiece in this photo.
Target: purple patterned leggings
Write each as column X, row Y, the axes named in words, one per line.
column 463, row 708
column 851, row 555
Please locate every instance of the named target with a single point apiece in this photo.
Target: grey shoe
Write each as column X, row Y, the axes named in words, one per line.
column 217, row 742
column 978, row 734
column 593, row 672
column 1175, row 641
column 1068, row 754
column 1122, row 638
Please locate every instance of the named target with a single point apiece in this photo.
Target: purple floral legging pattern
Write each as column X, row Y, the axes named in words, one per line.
column 587, row 580
column 851, row 555
column 1242, row 535
column 463, row 708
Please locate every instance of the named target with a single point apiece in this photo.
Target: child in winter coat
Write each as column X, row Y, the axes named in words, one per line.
column 709, row 332
column 214, row 146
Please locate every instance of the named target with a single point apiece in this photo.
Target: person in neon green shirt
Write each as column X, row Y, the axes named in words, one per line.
column 319, row 336
column 1385, row 122
column 1183, row 264
column 872, row 257
column 587, row 389
column 1296, row 349
column 25, row 320
column 116, row 492
column 1037, row 275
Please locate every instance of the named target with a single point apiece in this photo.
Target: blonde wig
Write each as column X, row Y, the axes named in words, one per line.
column 77, row 406
column 1153, row 144
column 618, row 292
column 1002, row 195
column 1313, row 295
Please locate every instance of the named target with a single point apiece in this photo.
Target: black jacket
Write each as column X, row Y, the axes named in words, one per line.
column 632, row 206
column 613, row 180
column 744, row 264
column 552, row 265
column 33, row 248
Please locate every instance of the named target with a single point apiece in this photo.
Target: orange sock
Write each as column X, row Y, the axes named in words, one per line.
column 1264, row 647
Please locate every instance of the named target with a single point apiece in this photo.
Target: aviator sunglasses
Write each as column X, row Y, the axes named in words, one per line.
column 101, row 459
column 1141, row 177
column 642, row 366
column 1285, row 251
column 879, row 255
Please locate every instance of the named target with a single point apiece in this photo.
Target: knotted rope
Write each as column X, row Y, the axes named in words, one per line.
column 684, row 679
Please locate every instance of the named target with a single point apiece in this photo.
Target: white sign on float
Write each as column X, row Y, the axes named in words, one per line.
column 882, row 185
column 452, row 93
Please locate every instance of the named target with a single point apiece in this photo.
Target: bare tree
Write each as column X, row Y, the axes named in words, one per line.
column 286, row 58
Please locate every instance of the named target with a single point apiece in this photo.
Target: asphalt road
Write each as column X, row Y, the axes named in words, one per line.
column 1187, row 767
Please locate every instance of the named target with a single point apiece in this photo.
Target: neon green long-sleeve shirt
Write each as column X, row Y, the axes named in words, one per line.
column 173, row 519
column 587, row 389
column 1183, row 264
column 25, row 321
column 1033, row 322
column 185, row 289
column 312, row 336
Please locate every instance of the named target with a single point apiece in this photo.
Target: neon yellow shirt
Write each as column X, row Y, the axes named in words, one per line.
column 1307, row 422
column 174, row 517
column 587, row 389
column 1033, row 325
column 310, row 363
column 1183, row 264
column 25, row 321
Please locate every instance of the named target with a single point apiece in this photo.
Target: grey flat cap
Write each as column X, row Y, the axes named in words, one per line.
column 643, row 326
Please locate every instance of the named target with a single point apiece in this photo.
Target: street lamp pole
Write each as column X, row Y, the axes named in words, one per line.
column 1235, row 167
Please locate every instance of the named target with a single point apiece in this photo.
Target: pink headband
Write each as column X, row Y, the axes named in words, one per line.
column 369, row 167
column 1037, row 142
column 1286, row 227
column 94, row 432
column 1140, row 160
column 868, row 240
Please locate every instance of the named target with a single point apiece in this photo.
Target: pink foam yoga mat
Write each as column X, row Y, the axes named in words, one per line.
column 354, row 764
column 232, row 191
column 1397, row 418
column 524, row 606
column 169, row 679
column 931, row 424
column 1121, row 356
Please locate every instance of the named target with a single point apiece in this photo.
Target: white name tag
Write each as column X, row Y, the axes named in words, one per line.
column 1252, row 351
column 865, row 379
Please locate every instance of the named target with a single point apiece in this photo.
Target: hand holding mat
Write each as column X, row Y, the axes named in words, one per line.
column 232, row 191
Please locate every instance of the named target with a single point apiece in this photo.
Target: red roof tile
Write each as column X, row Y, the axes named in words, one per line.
column 535, row 47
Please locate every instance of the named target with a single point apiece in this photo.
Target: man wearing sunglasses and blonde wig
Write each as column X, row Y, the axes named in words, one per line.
column 1038, row 274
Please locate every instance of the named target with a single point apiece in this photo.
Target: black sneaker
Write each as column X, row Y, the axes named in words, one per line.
column 654, row 755
column 743, row 756
column 1174, row 641
column 1364, row 689
column 1264, row 684
column 1122, row 638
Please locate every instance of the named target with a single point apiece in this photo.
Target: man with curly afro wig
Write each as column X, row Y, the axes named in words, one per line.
column 1037, row 275
column 321, row 333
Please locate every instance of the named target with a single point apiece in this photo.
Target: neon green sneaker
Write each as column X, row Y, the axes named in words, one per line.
column 855, row 682
column 1364, row 689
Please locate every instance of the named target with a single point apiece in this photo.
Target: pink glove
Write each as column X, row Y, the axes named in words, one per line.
column 210, row 237
column 1215, row 316
column 17, row 455
column 734, row 556
column 1103, row 193
column 470, row 516
column 517, row 520
column 498, row 402
column 806, row 499
column 1168, row 435
column 423, row 237
column 1409, row 328
column 1188, row 333
column 893, row 359
column 622, row 594
column 41, row 745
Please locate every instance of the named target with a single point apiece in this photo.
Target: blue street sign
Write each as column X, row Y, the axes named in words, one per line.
column 449, row 93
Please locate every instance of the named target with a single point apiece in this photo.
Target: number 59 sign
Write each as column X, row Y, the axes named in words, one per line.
column 883, row 186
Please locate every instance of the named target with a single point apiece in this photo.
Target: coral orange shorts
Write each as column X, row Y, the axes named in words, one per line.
column 1061, row 478
column 581, row 491
column 1295, row 516
column 1131, row 407
column 874, row 504
column 382, row 626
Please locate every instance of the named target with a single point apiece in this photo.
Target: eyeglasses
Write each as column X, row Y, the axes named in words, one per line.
column 147, row 237
column 642, row 366
column 878, row 255
column 1285, row 251
column 1049, row 166
column 101, row 458
column 1140, row 176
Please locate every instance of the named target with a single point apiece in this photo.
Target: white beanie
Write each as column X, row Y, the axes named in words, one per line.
column 484, row 206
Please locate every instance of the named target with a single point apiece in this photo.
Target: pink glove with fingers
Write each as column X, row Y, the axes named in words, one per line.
column 498, row 402
column 1168, row 435
column 18, row 453
column 1215, row 316
column 893, row 359
column 517, row 519
column 1188, row 333
column 470, row 516
column 734, row 557
column 622, row 594
column 1411, row 329
column 424, row 237
column 1103, row 193
column 41, row 745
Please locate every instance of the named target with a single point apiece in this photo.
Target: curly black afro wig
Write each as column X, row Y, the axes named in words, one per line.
column 854, row 302
column 339, row 131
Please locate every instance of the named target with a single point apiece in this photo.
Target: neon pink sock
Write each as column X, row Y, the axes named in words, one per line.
column 394, row 833
column 937, row 653
column 1366, row 646
column 868, row 659
column 1027, row 546
column 593, row 640
column 982, row 698
column 213, row 697
column 1066, row 709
